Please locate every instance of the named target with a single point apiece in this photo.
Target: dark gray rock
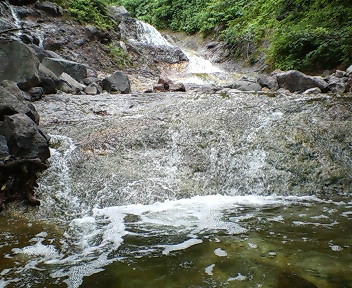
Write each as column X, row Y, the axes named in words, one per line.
column 24, row 138
column 76, row 70
column 10, row 105
column 48, row 85
column 212, row 45
column 296, row 81
column 245, row 86
column 268, row 82
column 41, row 53
column 19, row 64
column 50, row 8
column 117, row 82
column 36, row 93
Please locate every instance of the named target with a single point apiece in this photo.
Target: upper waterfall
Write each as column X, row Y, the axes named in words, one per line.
column 148, row 35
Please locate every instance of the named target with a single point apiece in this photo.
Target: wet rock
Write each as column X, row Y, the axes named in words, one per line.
column 36, row 93
column 74, row 86
column 18, row 64
column 336, row 85
column 117, row 82
column 50, row 8
column 76, row 70
column 24, row 138
column 245, row 86
column 315, row 90
column 296, row 81
column 268, row 82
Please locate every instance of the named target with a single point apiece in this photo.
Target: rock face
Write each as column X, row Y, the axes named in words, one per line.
column 296, row 81
column 23, row 147
column 117, row 82
column 18, row 64
column 76, row 70
column 24, row 139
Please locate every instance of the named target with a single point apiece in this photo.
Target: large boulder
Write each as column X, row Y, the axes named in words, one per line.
column 10, row 105
column 24, row 138
column 296, row 81
column 18, row 63
column 76, row 70
column 268, row 82
column 117, row 82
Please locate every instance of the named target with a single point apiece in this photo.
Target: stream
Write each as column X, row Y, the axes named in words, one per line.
column 196, row 189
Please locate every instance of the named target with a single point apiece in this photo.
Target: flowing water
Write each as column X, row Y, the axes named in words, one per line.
column 223, row 189
column 188, row 190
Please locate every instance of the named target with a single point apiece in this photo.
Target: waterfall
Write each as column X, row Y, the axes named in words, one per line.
column 16, row 20
column 148, row 35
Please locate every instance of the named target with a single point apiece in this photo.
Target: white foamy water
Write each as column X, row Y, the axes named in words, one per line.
column 148, row 35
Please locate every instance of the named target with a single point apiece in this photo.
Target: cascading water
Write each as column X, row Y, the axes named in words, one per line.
column 188, row 190
column 148, row 35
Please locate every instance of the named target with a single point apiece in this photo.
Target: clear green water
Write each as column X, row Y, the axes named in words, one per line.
column 248, row 242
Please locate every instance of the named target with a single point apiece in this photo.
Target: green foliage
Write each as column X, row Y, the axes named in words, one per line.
column 88, row 11
column 294, row 34
column 119, row 56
